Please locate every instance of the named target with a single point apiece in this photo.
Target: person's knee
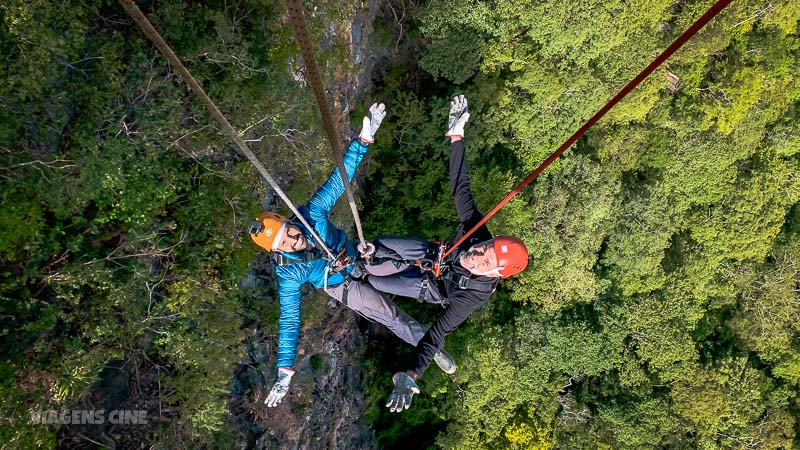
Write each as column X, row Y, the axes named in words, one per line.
column 368, row 302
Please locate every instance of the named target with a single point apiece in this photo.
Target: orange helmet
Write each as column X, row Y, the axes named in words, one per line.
column 512, row 255
column 267, row 229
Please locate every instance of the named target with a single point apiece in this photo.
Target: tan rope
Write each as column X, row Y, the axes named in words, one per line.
column 162, row 46
column 301, row 36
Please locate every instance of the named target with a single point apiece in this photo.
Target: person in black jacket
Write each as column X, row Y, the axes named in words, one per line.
column 462, row 282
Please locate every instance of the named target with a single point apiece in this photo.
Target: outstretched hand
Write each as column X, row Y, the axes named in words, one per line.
column 404, row 390
column 371, row 123
column 280, row 388
column 458, row 117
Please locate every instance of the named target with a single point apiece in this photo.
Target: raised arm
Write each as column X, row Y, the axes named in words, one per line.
column 326, row 196
column 460, row 185
column 468, row 213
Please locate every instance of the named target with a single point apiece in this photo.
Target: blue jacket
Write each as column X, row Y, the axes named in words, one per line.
column 292, row 276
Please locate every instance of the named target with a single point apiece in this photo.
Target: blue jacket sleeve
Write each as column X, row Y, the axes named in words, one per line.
column 289, row 294
column 326, row 196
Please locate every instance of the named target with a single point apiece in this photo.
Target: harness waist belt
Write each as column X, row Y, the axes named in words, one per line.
column 464, row 282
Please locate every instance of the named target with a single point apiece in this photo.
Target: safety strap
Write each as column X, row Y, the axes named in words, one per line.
column 301, row 36
column 435, row 263
column 700, row 23
column 345, row 284
column 176, row 63
column 423, row 287
column 309, row 255
column 466, row 283
column 345, row 290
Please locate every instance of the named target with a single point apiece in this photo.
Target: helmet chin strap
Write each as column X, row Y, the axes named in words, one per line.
column 494, row 271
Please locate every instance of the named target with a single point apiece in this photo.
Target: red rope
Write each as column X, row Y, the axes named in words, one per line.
column 700, row 23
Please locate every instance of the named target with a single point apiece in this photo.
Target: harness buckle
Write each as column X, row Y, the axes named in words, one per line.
column 423, row 288
column 424, row 264
column 437, row 267
column 462, row 282
column 341, row 261
column 435, row 264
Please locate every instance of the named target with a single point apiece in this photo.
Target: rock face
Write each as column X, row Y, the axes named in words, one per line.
column 325, row 400
column 110, row 393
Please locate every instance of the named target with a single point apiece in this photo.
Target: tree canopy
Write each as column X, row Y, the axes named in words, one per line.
column 660, row 308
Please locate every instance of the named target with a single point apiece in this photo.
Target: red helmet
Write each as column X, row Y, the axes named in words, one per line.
column 512, row 255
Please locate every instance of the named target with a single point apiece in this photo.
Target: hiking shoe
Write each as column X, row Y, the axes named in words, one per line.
column 445, row 362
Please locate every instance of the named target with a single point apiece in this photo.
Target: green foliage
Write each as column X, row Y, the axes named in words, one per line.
column 492, row 386
column 457, row 33
column 641, row 425
column 768, row 318
column 727, row 402
column 530, row 434
column 21, row 221
column 121, row 233
column 663, row 244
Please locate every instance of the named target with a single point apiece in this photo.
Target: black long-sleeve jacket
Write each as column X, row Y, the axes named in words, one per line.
column 461, row 302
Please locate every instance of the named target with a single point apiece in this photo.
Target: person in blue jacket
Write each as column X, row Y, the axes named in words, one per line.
column 299, row 260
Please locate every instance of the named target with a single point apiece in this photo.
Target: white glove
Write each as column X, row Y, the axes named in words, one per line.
column 404, row 390
column 371, row 122
column 280, row 388
column 458, row 117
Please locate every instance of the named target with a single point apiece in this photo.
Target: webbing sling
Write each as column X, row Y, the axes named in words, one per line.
column 466, row 283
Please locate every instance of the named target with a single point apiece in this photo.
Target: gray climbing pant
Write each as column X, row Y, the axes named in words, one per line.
column 367, row 301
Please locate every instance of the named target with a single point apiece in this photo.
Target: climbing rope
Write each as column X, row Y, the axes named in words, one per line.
column 165, row 50
column 312, row 71
column 691, row 31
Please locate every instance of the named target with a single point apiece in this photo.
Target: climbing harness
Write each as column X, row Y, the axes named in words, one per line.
column 301, row 36
column 341, row 262
column 345, row 284
column 332, row 268
column 691, row 31
column 424, row 283
column 462, row 282
column 433, row 265
column 165, row 50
